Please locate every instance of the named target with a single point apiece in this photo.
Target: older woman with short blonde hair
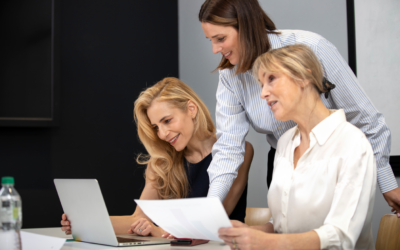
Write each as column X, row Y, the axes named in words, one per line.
column 323, row 189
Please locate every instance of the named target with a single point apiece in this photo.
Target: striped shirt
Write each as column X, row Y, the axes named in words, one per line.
column 239, row 105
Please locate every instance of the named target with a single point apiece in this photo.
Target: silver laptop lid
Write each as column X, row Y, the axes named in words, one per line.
column 84, row 206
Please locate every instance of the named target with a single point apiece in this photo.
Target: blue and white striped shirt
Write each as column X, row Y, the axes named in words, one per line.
column 239, row 105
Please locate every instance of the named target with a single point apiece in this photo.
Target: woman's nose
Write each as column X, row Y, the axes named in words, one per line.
column 265, row 92
column 162, row 133
column 216, row 49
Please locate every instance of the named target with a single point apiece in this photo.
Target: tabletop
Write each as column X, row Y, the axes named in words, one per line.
column 56, row 232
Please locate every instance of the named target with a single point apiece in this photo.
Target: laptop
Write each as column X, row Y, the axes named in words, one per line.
column 84, row 206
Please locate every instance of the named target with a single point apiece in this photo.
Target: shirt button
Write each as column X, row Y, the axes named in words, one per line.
column 279, row 127
column 283, row 215
column 285, row 193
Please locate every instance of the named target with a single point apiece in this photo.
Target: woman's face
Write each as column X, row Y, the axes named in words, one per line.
column 224, row 40
column 281, row 93
column 172, row 124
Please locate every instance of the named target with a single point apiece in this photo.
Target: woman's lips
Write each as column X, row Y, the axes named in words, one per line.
column 273, row 104
column 173, row 141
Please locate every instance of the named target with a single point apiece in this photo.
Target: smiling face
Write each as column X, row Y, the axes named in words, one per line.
column 172, row 124
column 225, row 40
column 282, row 94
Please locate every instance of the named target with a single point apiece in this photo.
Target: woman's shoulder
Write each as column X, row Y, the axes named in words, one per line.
column 228, row 73
column 236, row 82
column 351, row 135
column 300, row 36
column 347, row 142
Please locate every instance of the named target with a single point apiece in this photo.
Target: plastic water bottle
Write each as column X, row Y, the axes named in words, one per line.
column 10, row 215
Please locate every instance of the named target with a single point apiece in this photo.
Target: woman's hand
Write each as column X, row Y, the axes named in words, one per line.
column 145, row 227
column 236, row 223
column 393, row 199
column 168, row 236
column 66, row 225
column 242, row 237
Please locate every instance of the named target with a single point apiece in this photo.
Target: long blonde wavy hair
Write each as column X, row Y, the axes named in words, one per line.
column 167, row 163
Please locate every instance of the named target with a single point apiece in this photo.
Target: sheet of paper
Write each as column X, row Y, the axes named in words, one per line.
column 195, row 218
column 31, row 241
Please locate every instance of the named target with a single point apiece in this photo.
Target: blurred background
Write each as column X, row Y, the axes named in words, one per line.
column 71, row 70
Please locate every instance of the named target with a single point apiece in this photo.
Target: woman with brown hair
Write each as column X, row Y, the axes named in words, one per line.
column 323, row 190
column 178, row 133
column 241, row 31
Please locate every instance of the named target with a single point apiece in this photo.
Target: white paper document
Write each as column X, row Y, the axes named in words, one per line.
column 195, row 218
column 31, row 241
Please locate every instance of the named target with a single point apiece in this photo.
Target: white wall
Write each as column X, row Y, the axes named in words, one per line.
column 378, row 58
column 196, row 61
column 378, row 64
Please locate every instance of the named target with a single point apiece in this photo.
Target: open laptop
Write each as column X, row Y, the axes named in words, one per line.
column 84, row 206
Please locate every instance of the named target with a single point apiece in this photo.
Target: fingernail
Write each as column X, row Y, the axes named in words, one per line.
column 398, row 215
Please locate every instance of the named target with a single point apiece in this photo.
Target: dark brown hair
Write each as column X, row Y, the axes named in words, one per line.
column 249, row 19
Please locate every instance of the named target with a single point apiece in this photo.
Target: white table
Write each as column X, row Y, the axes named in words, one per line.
column 56, row 232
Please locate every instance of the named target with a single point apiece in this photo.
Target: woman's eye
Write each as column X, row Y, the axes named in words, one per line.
column 167, row 121
column 271, row 78
column 155, row 128
column 221, row 39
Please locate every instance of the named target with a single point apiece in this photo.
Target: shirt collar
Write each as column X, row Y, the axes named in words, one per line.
column 274, row 40
column 325, row 128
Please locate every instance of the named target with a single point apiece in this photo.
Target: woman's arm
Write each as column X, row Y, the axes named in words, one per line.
column 240, row 182
column 250, row 238
column 122, row 224
column 228, row 152
column 360, row 111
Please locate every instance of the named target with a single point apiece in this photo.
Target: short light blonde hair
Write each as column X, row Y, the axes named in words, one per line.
column 296, row 61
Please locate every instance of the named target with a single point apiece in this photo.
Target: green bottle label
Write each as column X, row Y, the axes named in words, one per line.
column 15, row 213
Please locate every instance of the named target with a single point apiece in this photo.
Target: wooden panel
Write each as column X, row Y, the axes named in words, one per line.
column 257, row 216
column 389, row 233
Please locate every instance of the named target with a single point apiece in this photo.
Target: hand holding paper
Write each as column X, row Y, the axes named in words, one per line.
column 195, row 218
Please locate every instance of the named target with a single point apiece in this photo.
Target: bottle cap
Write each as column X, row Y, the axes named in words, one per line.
column 7, row 180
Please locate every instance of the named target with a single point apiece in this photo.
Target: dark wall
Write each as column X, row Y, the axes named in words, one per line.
column 110, row 51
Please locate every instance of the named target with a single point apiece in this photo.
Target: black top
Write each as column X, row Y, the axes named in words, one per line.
column 199, row 184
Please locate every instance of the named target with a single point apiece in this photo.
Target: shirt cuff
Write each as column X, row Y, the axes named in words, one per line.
column 328, row 236
column 386, row 179
column 218, row 189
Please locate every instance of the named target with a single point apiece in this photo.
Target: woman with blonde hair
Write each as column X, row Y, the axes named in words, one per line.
column 323, row 189
column 178, row 133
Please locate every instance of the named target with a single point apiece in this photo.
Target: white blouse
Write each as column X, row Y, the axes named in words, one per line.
column 332, row 189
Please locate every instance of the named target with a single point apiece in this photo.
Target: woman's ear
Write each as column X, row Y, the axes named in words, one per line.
column 192, row 108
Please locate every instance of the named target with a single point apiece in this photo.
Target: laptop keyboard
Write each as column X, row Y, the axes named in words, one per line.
column 122, row 240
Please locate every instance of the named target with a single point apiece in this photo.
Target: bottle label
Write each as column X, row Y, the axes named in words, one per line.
column 16, row 213
column 10, row 212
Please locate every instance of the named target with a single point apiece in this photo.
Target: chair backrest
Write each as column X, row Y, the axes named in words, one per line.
column 257, row 216
column 389, row 233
